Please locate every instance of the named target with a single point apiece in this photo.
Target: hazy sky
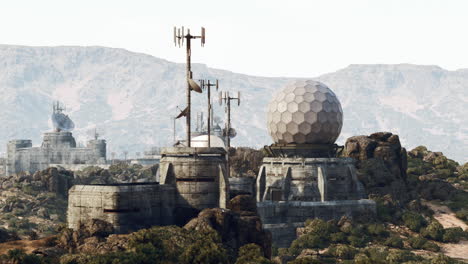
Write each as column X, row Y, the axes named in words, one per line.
column 270, row 38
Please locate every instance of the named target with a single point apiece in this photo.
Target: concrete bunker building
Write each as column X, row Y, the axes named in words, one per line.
column 302, row 177
column 192, row 179
column 58, row 148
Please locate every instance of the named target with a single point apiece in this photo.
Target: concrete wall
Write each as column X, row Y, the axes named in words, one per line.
column 282, row 218
column 77, row 167
column 199, row 175
column 241, row 185
column 308, row 179
column 127, row 207
column 292, row 190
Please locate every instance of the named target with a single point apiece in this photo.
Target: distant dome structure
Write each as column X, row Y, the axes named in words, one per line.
column 202, row 142
column 305, row 112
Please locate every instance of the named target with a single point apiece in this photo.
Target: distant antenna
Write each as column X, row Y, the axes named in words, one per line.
column 179, row 36
column 226, row 98
column 61, row 121
column 207, row 85
column 96, row 135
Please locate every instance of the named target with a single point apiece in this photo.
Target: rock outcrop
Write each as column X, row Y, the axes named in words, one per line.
column 94, row 236
column 236, row 227
column 381, row 163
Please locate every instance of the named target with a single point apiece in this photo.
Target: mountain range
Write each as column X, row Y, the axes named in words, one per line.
column 131, row 99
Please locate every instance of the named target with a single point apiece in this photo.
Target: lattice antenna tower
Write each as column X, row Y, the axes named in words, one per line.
column 179, row 38
column 207, row 84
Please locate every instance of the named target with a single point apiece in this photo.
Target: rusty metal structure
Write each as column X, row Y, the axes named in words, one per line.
column 179, row 38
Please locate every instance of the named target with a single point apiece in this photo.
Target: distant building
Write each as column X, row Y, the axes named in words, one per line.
column 58, row 148
column 2, row 167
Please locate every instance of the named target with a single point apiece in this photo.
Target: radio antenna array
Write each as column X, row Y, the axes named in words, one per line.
column 179, row 38
column 206, row 84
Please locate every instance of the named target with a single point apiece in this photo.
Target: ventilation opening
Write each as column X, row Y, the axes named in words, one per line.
column 133, row 210
column 196, row 179
column 276, row 195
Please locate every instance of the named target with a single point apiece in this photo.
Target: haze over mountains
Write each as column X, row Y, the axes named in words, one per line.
column 132, row 97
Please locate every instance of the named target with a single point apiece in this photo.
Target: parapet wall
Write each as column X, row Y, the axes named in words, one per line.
column 308, row 179
column 199, row 175
column 127, row 207
column 282, row 218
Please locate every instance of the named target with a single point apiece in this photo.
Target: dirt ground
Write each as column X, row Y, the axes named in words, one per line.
column 27, row 245
column 447, row 218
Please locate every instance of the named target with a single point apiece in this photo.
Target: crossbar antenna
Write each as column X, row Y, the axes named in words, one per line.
column 179, row 38
column 207, row 84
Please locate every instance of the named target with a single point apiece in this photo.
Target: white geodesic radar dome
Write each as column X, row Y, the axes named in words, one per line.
column 305, row 112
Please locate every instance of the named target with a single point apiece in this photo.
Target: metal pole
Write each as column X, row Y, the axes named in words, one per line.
column 209, row 115
column 173, row 130
column 189, row 76
column 229, row 121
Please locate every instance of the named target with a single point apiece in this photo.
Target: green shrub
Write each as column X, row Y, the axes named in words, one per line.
column 453, row 234
column 362, row 258
column 433, row 231
column 377, row 254
column 317, row 236
column 462, row 214
column 413, row 221
column 443, row 173
column 305, row 260
column 311, row 241
column 377, row 230
column 339, row 237
column 394, row 241
column 204, row 251
column 442, row 259
column 431, row 246
column 251, row 253
column 417, row 242
column 20, row 257
column 342, row 251
column 400, row 256
column 357, row 241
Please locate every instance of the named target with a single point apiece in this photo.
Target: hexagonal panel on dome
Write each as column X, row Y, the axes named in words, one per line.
column 305, row 112
column 304, row 107
column 299, row 99
column 293, row 107
column 319, row 96
column 282, row 106
column 292, row 128
column 298, row 117
column 299, row 91
column 309, row 97
column 304, row 128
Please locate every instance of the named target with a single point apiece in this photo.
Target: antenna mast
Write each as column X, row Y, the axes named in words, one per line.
column 179, row 37
column 207, row 84
column 224, row 96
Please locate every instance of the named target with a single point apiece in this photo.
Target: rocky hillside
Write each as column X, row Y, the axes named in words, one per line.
column 131, row 97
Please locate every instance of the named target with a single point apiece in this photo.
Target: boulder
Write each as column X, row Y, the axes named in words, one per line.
column 243, row 203
column 86, row 236
column 381, row 164
column 234, row 227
